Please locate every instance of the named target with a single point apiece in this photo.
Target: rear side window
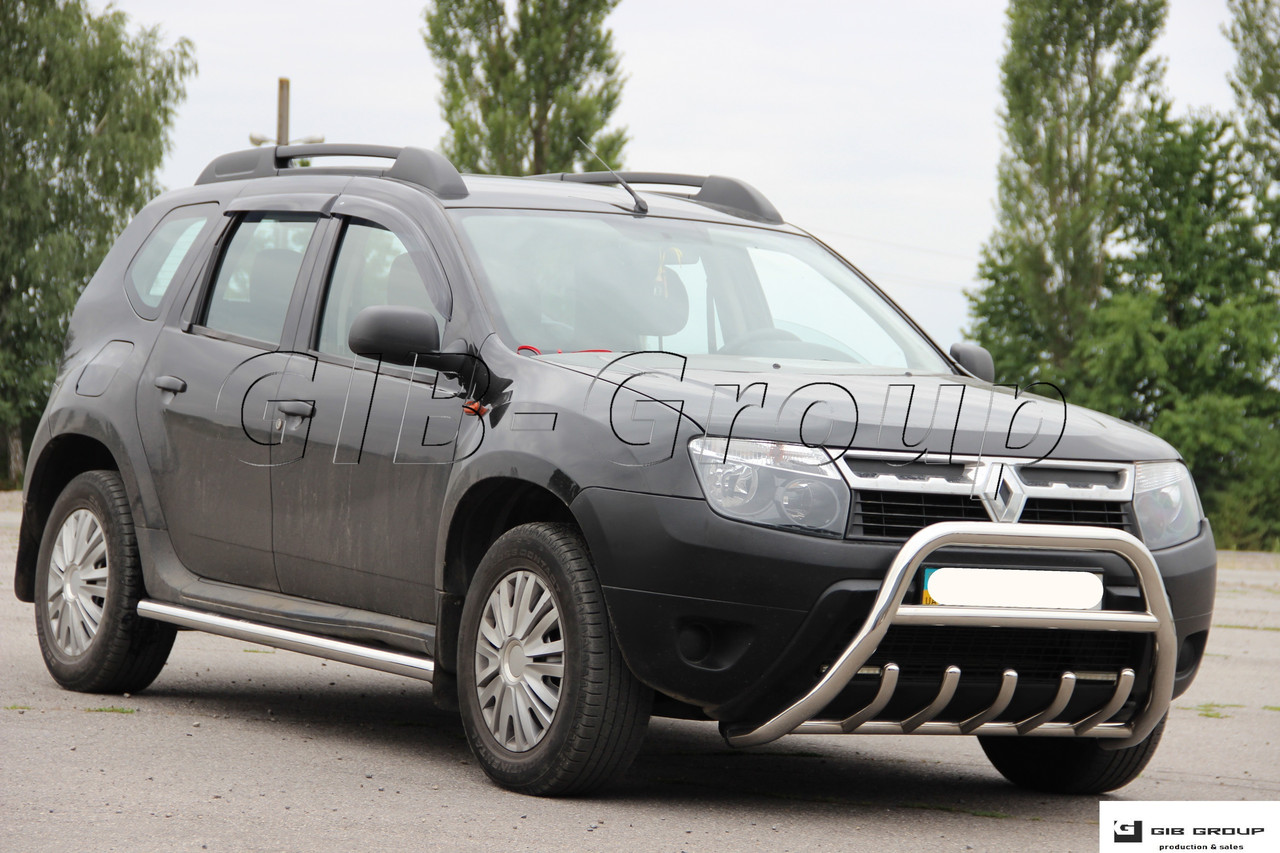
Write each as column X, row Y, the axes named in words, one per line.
column 156, row 265
column 256, row 275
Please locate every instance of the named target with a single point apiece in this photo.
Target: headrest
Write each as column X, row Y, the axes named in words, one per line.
column 404, row 284
column 664, row 310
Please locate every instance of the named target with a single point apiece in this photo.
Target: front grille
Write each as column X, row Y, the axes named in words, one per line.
column 924, row 651
column 898, row 515
column 1069, row 511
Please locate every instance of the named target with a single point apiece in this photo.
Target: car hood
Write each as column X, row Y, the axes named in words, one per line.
column 840, row 406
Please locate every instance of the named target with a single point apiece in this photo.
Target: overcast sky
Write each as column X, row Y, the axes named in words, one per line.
column 872, row 124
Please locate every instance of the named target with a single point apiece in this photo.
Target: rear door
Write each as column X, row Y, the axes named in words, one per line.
column 359, row 484
column 207, row 398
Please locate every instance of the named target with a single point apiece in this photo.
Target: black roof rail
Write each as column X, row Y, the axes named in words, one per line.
column 717, row 190
column 413, row 165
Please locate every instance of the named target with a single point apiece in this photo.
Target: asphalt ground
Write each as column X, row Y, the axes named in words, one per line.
column 237, row 747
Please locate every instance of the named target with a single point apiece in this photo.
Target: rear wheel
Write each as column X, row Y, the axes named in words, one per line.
column 547, row 702
column 88, row 582
column 1069, row 765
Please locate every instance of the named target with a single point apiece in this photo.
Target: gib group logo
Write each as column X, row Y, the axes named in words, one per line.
column 1127, row 833
column 1131, row 827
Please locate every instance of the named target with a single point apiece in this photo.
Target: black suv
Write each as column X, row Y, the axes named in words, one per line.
column 578, row 454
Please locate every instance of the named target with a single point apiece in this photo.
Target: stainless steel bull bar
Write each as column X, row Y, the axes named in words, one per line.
column 888, row 609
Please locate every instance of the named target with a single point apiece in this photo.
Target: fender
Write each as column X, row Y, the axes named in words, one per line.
column 505, row 465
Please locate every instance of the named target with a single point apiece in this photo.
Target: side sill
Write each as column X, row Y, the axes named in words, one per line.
column 168, row 580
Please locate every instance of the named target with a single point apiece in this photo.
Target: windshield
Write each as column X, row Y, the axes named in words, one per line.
column 571, row 282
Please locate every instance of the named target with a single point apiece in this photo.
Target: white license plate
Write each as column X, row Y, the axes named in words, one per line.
column 968, row 587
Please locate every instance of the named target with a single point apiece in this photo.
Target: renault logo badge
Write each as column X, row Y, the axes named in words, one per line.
column 1002, row 492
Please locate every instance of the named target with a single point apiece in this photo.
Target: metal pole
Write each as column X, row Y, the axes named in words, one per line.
column 282, row 113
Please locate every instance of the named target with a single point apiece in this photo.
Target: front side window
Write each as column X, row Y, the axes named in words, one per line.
column 256, row 276
column 563, row 282
column 373, row 267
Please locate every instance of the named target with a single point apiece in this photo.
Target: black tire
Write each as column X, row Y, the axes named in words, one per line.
column 1069, row 765
column 601, row 710
column 120, row 652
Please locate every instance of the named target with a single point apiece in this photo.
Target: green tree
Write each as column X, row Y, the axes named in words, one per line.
column 84, row 111
column 1075, row 77
column 1187, row 340
column 519, row 88
column 1134, row 252
column 1254, row 31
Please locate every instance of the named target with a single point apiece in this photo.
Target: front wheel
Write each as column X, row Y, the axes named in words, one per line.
column 1069, row 765
column 548, row 704
column 88, row 582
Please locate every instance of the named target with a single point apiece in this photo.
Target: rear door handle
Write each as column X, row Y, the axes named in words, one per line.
column 171, row 383
column 297, row 408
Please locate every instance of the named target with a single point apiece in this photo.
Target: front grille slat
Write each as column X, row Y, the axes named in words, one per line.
column 1075, row 511
column 898, row 515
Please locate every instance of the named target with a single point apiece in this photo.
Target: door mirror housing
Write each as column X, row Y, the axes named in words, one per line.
column 976, row 360
column 397, row 334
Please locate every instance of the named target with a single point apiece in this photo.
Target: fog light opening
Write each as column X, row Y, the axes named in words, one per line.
column 694, row 642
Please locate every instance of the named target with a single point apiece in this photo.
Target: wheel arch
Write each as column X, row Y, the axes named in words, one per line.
column 61, row 460
column 488, row 509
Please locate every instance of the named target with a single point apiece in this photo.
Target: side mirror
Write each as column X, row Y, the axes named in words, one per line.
column 394, row 333
column 976, row 360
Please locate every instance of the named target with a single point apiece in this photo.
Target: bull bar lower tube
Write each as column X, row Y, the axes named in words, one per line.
column 1157, row 619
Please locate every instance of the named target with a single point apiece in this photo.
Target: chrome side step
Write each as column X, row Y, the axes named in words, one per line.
column 384, row 660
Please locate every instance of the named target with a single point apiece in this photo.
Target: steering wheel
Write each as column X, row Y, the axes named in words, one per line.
column 755, row 336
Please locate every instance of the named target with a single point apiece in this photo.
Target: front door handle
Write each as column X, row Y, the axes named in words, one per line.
column 297, row 408
column 171, row 384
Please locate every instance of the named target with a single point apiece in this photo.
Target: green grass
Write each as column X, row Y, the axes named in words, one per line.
column 18, row 708
column 1271, row 707
column 1210, row 709
column 260, row 651
column 1250, row 627
column 111, row 709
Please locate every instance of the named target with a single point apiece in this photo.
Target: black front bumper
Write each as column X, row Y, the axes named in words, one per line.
column 739, row 620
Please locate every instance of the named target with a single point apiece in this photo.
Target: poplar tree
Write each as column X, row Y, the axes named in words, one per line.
column 1075, row 76
column 520, row 85
column 1187, row 343
column 1254, row 32
column 1134, row 255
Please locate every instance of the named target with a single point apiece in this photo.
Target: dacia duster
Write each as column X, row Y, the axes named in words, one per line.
column 577, row 454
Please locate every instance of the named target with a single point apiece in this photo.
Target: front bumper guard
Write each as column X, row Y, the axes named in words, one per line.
column 1157, row 619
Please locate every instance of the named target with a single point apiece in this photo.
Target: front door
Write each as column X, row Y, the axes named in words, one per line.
column 358, row 484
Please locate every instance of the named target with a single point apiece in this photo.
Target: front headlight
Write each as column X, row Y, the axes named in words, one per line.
column 1166, row 503
column 771, row 483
